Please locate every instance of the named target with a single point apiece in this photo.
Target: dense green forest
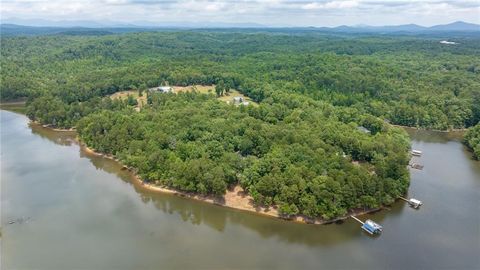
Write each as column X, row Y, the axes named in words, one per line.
column 302, row 149
column 291, row 152
column 413, row 81
column 472, row 140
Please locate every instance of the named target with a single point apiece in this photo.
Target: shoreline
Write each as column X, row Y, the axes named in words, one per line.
column 14, row 102
column 234, row 198
column 435, row 130
column 53, row 128
column 56, row 129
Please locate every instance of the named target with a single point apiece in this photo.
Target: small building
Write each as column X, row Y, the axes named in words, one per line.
column 363, row 129
column 163, row 89
column 448, row 42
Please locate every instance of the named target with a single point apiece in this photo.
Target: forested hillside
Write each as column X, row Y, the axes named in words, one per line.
column 406, row 80
column 305, row 147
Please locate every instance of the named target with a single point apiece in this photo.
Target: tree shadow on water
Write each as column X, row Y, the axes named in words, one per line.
column 218, row 217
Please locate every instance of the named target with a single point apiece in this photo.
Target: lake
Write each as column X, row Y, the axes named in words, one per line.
column 72, row 210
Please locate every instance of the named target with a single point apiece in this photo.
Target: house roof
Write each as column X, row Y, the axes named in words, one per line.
column 363, row 129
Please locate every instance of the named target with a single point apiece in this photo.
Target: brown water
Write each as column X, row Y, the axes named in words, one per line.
column 76, row 211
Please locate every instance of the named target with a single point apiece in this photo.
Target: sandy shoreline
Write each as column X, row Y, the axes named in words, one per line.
column 234, row 198
column 54, row 129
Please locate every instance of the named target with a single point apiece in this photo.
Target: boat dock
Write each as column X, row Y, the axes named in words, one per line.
column 416, row 152
column 416, row 166
column 361, row 222
column 414, row 203
column 369, row 226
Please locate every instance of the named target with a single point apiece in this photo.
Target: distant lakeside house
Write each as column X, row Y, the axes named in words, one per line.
column 364, row 129
column 162, row 89
column 448, row 42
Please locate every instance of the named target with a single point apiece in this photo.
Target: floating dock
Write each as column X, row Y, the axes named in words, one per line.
column 416, row 152
column 414, row 203
column 370, row 226
column 416, row 166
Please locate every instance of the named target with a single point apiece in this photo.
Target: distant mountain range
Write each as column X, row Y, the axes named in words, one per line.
column 455, row 26
column 35, row 27
column 135, row 24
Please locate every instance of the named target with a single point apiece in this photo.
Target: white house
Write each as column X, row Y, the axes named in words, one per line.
column 363, row 129
column 163, row 89
column 448, row 42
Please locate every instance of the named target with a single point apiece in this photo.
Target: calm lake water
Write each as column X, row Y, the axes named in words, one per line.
column 76, row 211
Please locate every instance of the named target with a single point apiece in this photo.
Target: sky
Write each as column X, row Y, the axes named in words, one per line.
column 264, row 12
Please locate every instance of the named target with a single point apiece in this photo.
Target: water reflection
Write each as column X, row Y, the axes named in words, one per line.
column 434, row 136
column 218, row 218
column 65, row 138
column 133, row 228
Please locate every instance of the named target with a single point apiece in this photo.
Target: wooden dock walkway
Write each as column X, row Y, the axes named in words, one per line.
column 357, row 219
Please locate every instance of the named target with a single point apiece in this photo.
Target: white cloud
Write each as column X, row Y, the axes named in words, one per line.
column 268, row 12
column 116, row 2
column 199, row 6
column 213, row 7
column 331, row 5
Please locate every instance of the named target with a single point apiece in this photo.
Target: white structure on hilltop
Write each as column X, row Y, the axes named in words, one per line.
column 448, row 42
column 363, row 129
column 162, row 89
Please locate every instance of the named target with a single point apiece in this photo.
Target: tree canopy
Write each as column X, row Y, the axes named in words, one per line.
column 411, row 81
column 319, row 143
column 300, row 156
